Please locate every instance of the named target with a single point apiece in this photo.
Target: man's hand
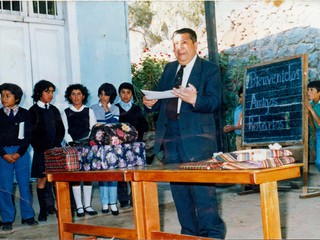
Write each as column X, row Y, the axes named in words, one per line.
column 149, row 103
column 188, row 94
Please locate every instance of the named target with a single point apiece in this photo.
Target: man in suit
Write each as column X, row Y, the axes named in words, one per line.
column 189, row 135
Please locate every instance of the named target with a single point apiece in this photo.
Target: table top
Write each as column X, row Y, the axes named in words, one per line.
column 120, row 174
column 172, row 173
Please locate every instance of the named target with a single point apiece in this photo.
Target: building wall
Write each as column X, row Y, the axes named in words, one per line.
column 88, row 44
column 103, row 44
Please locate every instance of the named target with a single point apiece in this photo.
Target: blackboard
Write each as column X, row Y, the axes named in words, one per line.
column 273, row 102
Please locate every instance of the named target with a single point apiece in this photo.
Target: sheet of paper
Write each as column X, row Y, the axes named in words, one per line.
column 158, row 95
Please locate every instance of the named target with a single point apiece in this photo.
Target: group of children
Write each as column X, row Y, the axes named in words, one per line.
column 44, row 127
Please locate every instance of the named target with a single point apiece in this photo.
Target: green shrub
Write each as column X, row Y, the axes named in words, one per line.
column 146, row 75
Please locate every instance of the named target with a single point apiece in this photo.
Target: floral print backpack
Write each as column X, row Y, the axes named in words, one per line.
column 112, row 134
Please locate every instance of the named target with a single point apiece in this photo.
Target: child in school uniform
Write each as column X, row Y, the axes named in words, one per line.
column 78, row 120
column 129, row 113
column 47, row 132
column 313, row 106
column 106, row 112
column 15, row 136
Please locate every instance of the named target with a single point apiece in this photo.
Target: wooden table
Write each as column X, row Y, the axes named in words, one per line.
column 67, row 228
column 144, row 185
column 145, row 197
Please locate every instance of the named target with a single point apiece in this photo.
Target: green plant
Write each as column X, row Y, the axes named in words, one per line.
column 146, row 75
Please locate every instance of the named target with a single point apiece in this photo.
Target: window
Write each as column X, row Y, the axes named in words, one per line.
column 11, row 5
column 16, row 8
column 32, row 9
column 46, row 9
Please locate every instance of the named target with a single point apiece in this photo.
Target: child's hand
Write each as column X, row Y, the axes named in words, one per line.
column 228, row 128
column 9, row 158
column 16, row 156
column 105, row 106
column 308, row 105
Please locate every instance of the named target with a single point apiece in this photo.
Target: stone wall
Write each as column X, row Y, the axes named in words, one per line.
column 270, row 30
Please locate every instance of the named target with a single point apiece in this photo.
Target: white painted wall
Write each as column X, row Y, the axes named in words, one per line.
column 90, row 46
column 103, row 44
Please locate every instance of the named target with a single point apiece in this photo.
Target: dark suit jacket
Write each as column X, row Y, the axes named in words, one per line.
column 197, row 124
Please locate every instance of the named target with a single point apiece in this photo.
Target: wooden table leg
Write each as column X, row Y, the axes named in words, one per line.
column 270, row 210
column 146, row 208
column 64, row 209
column 138, row 211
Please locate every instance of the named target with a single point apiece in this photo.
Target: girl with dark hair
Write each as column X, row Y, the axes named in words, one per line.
column 48, row 132
column 78, row 121
column 15, row 136
column 106, row 112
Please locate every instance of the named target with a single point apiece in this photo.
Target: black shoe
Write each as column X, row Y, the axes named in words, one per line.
column 7, row 227
column 90, row 211
column 29, row 221
column 124, row 204
column 80, row 214
column 115, row 213
column 51, row 210
column 0, row 223
column 42, row 216
column 105, row 210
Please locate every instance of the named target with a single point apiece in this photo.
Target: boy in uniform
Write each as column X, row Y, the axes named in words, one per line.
column 15, row 137
column 129, row 113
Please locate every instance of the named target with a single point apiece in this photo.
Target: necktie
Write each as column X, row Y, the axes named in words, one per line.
column 46, row 106
column 173, row 102
column 11, row 115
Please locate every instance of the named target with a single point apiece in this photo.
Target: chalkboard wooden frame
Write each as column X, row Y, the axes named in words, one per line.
column 274, row 93
column 284, row 78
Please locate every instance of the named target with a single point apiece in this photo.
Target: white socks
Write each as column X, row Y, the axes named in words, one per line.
column 113, row 207
column 77, row 198
column 105, row 207
column 87, row 190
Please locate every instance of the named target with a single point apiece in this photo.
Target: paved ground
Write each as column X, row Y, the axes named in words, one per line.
column 300, row 217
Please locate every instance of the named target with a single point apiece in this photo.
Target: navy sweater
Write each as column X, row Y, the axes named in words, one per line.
column 9, row 131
